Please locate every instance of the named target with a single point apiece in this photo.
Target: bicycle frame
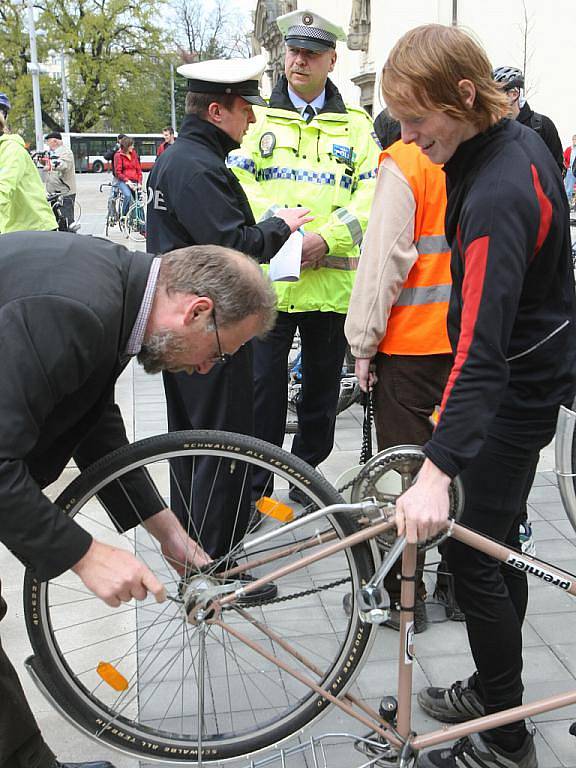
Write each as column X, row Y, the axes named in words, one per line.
column 400, row 736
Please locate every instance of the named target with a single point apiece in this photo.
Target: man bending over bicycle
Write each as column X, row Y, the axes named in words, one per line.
column 511, row 323
column 127, row 171
column 78, row 310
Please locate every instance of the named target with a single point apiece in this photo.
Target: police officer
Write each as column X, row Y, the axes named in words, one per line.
column 309, row 148
column 194, row 200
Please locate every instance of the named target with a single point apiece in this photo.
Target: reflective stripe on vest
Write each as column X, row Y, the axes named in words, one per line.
column 417, row 322
column 426, row 294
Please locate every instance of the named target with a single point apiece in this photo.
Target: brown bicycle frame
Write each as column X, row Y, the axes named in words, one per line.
column 402, row 733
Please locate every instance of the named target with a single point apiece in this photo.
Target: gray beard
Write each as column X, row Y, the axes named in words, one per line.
column 157, row 352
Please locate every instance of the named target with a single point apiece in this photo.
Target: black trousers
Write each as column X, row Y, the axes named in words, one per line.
column 493, row 596
column 21, row 744
column 323, row 345
column 212, row 500
column 408, row 389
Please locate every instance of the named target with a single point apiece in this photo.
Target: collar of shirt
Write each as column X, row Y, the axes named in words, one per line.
column 301, row 103
column 137, row 335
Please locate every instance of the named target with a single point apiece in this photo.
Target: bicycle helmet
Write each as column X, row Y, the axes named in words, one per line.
column 4, row 104
column 509, row 77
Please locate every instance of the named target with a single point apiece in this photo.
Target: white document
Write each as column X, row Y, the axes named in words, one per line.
column 285, row 265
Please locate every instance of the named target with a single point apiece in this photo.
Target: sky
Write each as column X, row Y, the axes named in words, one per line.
column 497, row 23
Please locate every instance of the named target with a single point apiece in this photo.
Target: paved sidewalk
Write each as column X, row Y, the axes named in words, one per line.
column 442, row 653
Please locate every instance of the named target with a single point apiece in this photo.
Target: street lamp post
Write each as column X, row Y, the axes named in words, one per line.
column 34, row 69
column 454, row 13
column 172, row 99
column 64, row 92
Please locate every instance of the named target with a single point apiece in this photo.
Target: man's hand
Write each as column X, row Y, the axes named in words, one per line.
column 314, row 249
column 422, row 511
column 182, row 552
column 116, row 576
column 366, row 377
column 294, row 217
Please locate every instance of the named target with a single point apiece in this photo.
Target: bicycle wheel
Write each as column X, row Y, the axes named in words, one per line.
column 140, row 677
column 135, row 222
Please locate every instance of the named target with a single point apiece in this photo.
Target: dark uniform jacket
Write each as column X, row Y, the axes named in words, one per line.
column 67, row 307
column 546, row 129
column 195, row 200
column 512, row 311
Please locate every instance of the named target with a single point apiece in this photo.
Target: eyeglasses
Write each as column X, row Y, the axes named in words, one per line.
column 221, row 357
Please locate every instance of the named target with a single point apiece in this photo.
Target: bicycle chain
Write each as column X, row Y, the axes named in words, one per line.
column 308, row 592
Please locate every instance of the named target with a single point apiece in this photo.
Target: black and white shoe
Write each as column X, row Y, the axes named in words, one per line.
column 475, row 751
column 457, row 704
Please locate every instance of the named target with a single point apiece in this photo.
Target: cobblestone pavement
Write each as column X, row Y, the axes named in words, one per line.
column 442, row 653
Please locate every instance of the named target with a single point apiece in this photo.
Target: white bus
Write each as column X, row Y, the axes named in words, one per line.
column 89, row 149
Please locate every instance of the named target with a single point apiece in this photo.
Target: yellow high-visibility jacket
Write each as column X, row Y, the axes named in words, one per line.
column 328, row 165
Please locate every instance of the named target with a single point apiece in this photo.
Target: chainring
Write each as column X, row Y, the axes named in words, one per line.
column 391, row 472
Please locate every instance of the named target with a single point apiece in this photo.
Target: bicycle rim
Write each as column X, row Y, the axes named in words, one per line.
column 177, row 675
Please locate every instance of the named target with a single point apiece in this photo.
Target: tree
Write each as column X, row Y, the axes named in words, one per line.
column 114, row 81
column 216, row 32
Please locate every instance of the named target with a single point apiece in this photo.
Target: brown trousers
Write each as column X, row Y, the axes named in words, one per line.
column 409, row 387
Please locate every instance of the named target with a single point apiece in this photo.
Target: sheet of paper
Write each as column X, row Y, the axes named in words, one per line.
column 285, row 266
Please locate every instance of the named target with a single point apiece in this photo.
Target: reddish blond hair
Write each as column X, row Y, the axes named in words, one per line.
column 426, row 65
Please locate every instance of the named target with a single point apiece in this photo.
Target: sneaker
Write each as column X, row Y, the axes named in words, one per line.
column 302, row 498
column 527, row 543
column 456, row 704
column 420, row 618
column 475, row 750
column 96, row 764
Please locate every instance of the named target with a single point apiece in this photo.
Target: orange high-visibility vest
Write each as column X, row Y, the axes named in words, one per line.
column 417, row 322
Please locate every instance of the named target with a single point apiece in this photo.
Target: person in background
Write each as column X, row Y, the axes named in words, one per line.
column 61, row 174
column 511, row 322
column 570, row 166
column 511, row 80
column 127, row 171
column 23, row 204
column 169, row 139
column 396, row 322
column 309, row 148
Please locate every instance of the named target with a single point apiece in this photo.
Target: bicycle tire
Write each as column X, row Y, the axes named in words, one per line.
column 240, row 717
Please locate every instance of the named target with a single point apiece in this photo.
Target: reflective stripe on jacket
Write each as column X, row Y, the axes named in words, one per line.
column 327, row 165
column 417, row 323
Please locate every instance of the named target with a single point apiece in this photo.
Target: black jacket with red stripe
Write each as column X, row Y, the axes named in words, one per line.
column 512, row 311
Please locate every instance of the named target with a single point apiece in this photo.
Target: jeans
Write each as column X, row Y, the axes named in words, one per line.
column 127, row 194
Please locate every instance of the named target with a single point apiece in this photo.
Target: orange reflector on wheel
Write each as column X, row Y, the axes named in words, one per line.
column 110, row 675
column 275, row 509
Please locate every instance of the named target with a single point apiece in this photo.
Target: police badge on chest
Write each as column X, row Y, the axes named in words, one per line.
column 267, row 144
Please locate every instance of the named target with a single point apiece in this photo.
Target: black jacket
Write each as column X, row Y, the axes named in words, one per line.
column 195, row 200
column 67, row 307
column 512, row 313
column 546, row 129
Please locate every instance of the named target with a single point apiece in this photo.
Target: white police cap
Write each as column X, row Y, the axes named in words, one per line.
column 234, row 76
column 305, row 29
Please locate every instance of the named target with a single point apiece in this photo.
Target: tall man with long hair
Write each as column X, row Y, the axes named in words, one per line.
column 511, row 324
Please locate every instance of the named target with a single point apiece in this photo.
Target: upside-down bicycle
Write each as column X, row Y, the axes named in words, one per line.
column 209, row 675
